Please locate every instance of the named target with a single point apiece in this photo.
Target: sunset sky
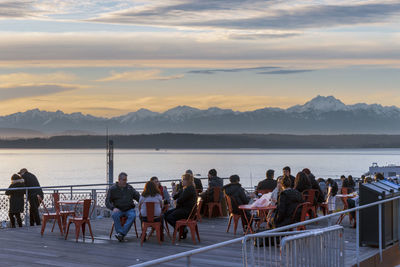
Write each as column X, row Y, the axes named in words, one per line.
column 111, row 57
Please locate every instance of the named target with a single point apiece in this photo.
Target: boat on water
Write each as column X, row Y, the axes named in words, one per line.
column 389, row 171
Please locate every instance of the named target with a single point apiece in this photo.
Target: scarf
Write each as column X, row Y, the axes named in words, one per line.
column 17, row 181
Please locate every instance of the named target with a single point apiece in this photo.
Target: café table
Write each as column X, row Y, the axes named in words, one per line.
column 262, row 211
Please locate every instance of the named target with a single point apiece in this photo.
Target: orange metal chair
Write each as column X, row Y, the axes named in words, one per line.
column 309, row 196
column 191, row 223
column 49, row 216
column 123, row 220
column 151, row 223
column 80, row 222
column 63, row 213
column 344, row 191
column 264, row 191
column 199, row 207
column 232, row 215
column 216, row 202
column 305, row 209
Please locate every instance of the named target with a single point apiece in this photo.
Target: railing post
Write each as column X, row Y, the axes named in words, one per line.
column 358, row 237
column 188, row 261
column 398, row 222
column 26, row 208
column 71, row 193
column 94, row 197
column 380, row 231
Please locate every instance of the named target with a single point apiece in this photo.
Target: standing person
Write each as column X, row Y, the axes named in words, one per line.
column 286, row 172
column 16, row 200
column 351, row 182
column 331, row 197
column 268, row 184
column 31, row 181
column 186, row 199
column 119, row 199
column 322, row 186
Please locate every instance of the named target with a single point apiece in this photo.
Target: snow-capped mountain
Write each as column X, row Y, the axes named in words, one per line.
column 321, row 115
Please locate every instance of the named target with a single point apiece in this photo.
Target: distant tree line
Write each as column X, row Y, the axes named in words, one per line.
column 209, row 141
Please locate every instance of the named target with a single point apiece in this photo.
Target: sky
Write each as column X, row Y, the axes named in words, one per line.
column 109, row 58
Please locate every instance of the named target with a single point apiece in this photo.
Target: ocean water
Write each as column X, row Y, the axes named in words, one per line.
column 84, row 166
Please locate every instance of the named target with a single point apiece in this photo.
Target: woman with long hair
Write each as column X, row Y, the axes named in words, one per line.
column 302, row 182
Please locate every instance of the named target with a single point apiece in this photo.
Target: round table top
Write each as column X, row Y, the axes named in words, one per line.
column 250, row 207
column 70, row 201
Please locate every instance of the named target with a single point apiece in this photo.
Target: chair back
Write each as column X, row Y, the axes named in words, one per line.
column 41, row 202
column 150, row 211
column 56, row 198
column 87, row 204
column 264, row 191
column 193, row 214
column 304, row 209
column 216, row 194
column 309, row 195
column 229, row 203
column 345, row 190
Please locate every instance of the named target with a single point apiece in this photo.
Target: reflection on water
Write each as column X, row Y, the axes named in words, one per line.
column 78, row 166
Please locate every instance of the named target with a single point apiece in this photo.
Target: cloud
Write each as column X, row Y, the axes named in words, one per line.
column 23, row 77
column 33, row 90
column 16, row 9
column 254, row 14
column 139, row 75
column 213, row 71
column 284, row 71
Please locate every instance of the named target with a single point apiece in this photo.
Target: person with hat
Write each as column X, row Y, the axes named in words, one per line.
column 32, row 181
column 16, row 200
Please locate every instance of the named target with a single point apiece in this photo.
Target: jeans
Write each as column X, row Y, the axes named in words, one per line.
column 130, row 214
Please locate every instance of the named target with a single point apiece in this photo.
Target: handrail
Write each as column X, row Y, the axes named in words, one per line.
column 243, row 239
column 88, row 185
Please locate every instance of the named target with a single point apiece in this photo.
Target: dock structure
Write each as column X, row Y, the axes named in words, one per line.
column 25, row 247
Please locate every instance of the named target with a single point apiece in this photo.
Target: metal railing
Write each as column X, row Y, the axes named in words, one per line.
column 80, row 191
column 191, row 253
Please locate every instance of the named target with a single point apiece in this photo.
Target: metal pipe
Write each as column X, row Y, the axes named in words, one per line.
column 358, row 237
column 380, row 231
column 26, row 207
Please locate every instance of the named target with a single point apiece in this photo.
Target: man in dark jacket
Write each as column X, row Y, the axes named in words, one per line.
column 31, row 181
column 238, row 197
column 286, row 172
column 213, row 181
column 267, row 184
column 119, row 199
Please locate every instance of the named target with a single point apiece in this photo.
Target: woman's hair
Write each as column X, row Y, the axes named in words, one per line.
column 321, row 180
column 188, row 178
column 301, row 181
column 234, row 178
column 379, row 176
column 152, row 179
column 150, row 189
column 286, row 182
column 350, row 178
column 306, row 171
column 15, row 177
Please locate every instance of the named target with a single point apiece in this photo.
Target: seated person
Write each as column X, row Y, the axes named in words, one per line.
column 302, row 182
column 288, row 201
column 119, row 199
column 268, row 184
column 213, row 181
column 197, row 182
column 238, row 197
column 319, row 196
column 186, row 199
column 278, row 189
column 163, row 192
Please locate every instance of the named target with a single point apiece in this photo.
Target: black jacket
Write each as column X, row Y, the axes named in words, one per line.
column 186, row 199
column 267, row 184
column 31, row 181
column 288, row 201
column 237, row 194
column 292, row 178
column 16, row 197
column 320, row 197
column 121, row 197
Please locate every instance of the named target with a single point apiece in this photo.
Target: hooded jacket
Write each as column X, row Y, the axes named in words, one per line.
column 236, row 192
column 288, row 201
column 16, row 196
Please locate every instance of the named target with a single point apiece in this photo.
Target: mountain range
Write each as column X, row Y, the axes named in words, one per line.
column 321, row 115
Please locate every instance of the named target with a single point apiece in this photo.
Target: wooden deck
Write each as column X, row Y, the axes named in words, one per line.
column 25, row 247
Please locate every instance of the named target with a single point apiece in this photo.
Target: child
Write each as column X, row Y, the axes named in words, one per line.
column 16, row 200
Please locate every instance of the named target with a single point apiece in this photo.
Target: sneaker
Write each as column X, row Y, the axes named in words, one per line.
column 119, row 237
column 184, row 234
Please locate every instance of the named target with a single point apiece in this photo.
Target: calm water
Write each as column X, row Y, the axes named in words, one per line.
column 63, row 167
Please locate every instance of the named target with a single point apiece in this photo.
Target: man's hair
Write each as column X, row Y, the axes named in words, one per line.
column 270, row 174
column 122, row 174
column 342, row 177
column 153, row 178
column 212, row 172
column 287, row 168
column 379, row 176
column 234, row 178
column 189, row 171
column 286, row 182
column 150, row 189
